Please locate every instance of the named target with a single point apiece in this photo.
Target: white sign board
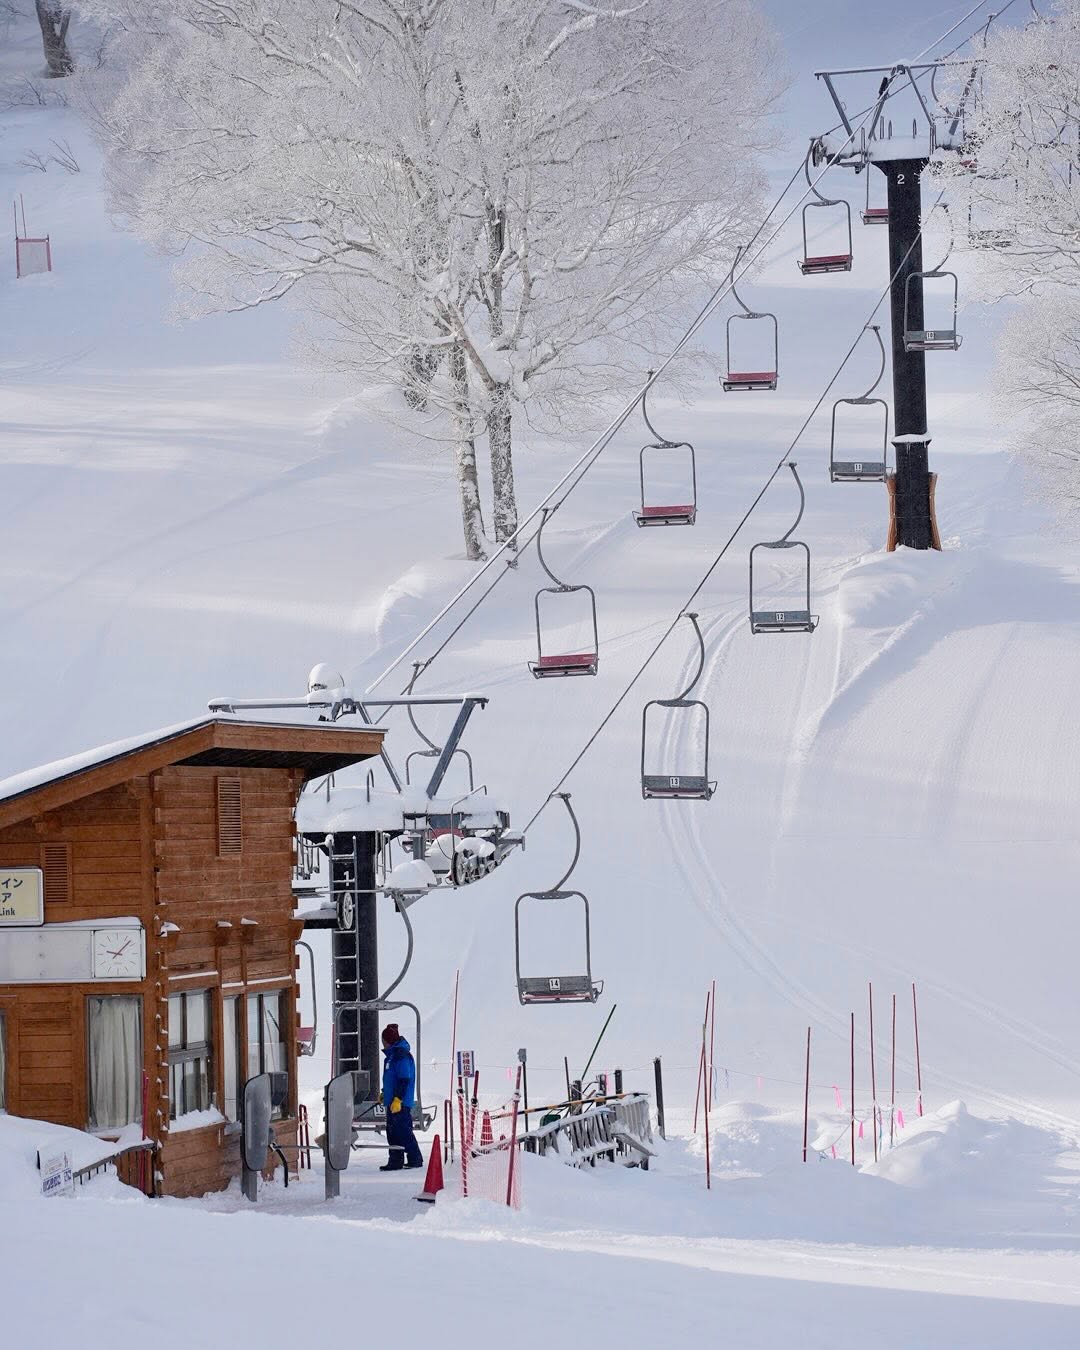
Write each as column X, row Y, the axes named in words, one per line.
column 466, row 1063
column 22, row 897
column 32, row 256
column 56, row 1178
column 71, row 954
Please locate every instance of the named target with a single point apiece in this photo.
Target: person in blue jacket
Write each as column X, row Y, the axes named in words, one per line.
column 399, row 1095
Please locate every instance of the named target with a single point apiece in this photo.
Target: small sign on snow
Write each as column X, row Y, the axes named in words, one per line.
column 466, row 1063
column 56, row 1178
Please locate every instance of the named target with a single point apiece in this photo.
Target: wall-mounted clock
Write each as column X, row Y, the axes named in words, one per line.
column 118, row 954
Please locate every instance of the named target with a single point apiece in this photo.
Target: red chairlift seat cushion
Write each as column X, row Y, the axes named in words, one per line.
column 575, row 659
column 750, row 376
column 826, row 260
column 685, row 510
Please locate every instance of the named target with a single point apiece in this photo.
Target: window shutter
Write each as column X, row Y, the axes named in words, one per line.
column 228, row 817
column 56, row 866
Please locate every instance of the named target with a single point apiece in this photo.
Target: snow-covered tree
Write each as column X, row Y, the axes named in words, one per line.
column 1016, row 200
column 487, row 204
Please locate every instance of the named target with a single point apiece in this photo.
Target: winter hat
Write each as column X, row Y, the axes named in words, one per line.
column 390, row 1034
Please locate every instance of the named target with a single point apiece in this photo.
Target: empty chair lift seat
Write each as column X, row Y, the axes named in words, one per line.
column 876, row 215
column 829, row 262
column 858, row 471
column 683, row 514
column 749, row 379
column 782, row 621
column 677, row 787
column 932, row 340
column 573, row 663
column 557, row 989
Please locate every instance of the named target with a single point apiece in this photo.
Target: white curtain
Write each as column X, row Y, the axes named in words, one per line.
column 115, row 1040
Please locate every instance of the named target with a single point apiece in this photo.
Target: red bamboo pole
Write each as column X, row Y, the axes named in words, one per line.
column 873, row 1074
column 461, row 1131
column 892, row 1078
column 708, row 1160
column 853, row 1089
column 918, row 1061
column 453, row 1033
column 806, row 1099
column 701, row 1066
column 712, row 1044
column 513, row 1142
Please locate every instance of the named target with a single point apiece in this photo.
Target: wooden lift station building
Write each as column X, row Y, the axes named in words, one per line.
column 147, row 937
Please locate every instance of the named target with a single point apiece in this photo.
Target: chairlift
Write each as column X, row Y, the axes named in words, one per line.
column 873, row 215
column 784, row 620
column 750, row 379
column 871, row 470
column 550, row 664
column 433, row 751
column 815, row 264
column 680, row 786
column 577, row 988
column 923, row 339
column 653, row 513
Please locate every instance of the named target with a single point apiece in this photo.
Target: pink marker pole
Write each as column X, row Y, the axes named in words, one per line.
column 712, row 1042
column 853, row 1089
column 873, row 1075
column 892, row 1083
column 701, row 1065
column 806, row 1099
column 918, row 1060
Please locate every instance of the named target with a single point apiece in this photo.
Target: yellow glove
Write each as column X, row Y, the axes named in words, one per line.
column 395, row 1106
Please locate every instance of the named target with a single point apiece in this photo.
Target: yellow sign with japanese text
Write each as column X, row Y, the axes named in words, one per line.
column 22, row 897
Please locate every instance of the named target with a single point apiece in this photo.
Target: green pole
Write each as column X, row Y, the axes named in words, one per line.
column 599, row 1038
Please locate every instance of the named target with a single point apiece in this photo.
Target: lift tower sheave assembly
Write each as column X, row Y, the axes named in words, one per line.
column 901, row 157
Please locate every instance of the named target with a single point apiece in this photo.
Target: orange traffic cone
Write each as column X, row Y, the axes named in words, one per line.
column 487, row 1135
column 433, row 1181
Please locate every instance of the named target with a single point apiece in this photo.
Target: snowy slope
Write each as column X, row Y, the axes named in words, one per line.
column 188, row 513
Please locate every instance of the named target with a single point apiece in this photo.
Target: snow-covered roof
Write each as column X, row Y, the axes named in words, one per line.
column 88, row 759
column 350, row 810
column 213, row 738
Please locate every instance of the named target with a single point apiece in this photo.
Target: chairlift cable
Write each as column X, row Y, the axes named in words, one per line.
column 684, row 608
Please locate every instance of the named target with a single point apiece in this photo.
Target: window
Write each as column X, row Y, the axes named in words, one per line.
column 266, row 1027
column 231, row 1058
column 3, row 1063
column 114, row 1053
column 190, row 1076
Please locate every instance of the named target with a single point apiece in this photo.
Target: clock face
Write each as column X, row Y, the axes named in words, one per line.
column 118, row 954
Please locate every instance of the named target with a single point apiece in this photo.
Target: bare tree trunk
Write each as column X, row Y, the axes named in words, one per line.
column 54, row 19
column 499, row 417
column 472, row 515
column 502, row 464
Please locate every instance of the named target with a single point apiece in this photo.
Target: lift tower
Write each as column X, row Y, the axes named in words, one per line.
column 914, row 521
column 902, row 159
